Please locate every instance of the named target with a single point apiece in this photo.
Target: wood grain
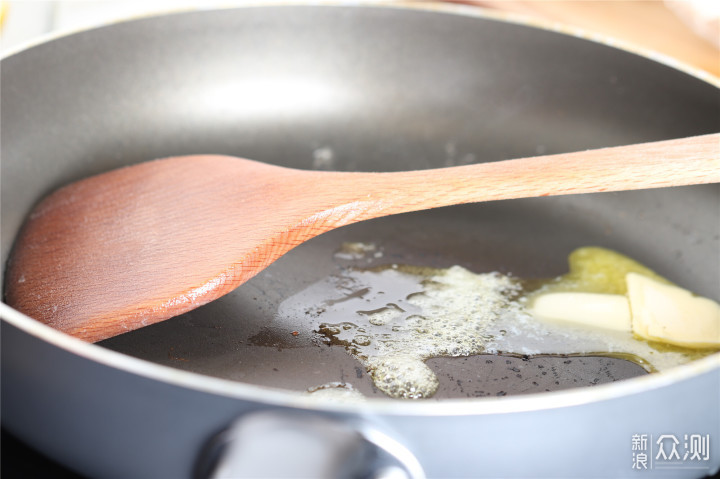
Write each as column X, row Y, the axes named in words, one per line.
column 141, row 244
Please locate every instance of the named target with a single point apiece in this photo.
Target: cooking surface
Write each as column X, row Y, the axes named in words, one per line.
column 242, row 337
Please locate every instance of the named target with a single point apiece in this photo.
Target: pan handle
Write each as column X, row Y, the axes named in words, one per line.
column 273, row 443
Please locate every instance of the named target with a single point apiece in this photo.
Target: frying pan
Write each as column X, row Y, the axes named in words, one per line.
column 220, row 390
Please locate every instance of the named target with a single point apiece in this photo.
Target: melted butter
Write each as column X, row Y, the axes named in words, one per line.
column 393, row 318
column 337, row 391
column 357, row 250
column 598, row 270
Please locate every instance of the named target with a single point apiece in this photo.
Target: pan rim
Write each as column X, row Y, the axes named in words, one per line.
column 286, row 398
column 412, row 5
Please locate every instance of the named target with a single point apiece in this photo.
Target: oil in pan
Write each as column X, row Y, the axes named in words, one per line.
column 364, row 325
column 393, row 318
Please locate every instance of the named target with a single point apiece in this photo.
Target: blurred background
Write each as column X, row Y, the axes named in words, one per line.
column 685, row 30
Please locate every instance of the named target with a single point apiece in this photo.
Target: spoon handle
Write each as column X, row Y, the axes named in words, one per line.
column 686, row 161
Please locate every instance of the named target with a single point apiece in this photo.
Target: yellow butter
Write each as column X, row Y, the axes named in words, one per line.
column 668, row 313
column 599, row 310
column 593, row 269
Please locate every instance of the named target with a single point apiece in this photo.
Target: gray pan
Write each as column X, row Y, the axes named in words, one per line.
column 371, row 88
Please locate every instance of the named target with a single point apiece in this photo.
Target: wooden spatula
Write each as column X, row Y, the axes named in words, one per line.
column 141, row 244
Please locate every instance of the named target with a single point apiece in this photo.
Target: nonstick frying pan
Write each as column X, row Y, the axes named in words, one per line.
column 354, row 88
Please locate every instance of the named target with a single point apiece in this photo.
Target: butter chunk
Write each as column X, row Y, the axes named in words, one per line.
column 599, row 310
column 667, row 313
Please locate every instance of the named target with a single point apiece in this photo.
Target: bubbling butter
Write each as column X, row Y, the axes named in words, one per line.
column 393, row 318
column 336, row 391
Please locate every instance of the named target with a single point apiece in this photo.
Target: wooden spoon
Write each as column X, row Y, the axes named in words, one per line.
column 135, row 246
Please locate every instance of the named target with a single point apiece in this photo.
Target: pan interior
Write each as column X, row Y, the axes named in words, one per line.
column 243, row 337
column 372, row 89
